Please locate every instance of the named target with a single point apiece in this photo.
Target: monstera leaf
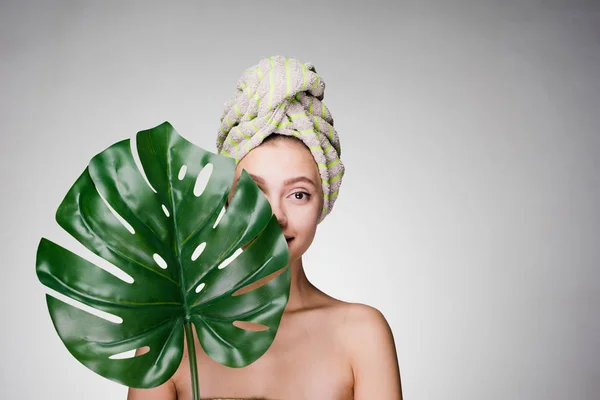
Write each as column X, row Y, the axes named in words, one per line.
column 188, row 261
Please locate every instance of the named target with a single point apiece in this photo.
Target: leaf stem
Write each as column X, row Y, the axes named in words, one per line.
column 191, row 347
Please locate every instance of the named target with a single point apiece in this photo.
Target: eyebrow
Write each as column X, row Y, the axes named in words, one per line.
column 299, row 179
column 290, row 181
column 256, row 178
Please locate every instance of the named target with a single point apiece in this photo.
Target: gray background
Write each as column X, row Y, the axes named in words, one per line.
column 470, row 211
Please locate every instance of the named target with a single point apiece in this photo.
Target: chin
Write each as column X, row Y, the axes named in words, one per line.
column 295, row 254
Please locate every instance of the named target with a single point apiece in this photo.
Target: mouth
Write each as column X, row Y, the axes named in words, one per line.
column 288, row 239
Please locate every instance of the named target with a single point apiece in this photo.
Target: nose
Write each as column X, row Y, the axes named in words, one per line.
column 279, row 212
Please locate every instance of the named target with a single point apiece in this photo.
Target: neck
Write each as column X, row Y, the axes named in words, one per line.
column 300, row 288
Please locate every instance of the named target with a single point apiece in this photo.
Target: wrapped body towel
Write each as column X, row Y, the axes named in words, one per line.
column 283, row 96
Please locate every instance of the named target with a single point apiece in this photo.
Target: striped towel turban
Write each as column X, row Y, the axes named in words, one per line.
column 283, row 96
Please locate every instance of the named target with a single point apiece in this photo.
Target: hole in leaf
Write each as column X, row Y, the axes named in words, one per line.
column 136, row 158
column 250, row 326
column 200, row 287
column 160, row 261
column 166, row 210
column 230, row 259
column 198, row 251
column 258, row 283
column 83, row 252
column 182, row 172
column 202, row 180
column 98, row 313
column 219, row 217
column 130, row 353
column 126, row 224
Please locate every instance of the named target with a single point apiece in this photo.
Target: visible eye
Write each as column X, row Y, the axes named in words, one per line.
column 301, row 195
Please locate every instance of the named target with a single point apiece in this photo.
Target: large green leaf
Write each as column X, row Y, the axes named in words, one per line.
column 173, row 225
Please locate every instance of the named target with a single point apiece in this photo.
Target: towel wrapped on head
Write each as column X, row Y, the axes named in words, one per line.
column 283, row 96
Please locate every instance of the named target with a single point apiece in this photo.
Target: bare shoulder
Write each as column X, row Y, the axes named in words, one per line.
column 360, row 321
column 354, row 323
column 357, row 312
column 367, row 337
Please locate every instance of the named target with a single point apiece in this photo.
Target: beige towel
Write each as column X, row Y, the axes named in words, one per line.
column 284, row 96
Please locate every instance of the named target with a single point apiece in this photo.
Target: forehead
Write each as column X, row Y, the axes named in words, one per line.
column 281, row 159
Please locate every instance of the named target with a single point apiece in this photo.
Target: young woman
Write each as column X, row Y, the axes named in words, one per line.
column 279, row 131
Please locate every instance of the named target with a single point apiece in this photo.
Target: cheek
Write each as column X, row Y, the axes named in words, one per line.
column 304, row 222
column 304, row 215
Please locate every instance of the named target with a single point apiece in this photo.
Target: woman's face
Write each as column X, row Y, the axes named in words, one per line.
column 287, row 174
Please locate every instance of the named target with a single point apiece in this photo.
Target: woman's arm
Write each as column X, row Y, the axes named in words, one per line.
column 373, row 356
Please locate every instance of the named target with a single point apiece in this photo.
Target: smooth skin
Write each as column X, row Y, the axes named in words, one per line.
column 325, row 348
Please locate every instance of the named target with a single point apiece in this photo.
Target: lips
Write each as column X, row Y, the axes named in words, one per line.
column 288, row 239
